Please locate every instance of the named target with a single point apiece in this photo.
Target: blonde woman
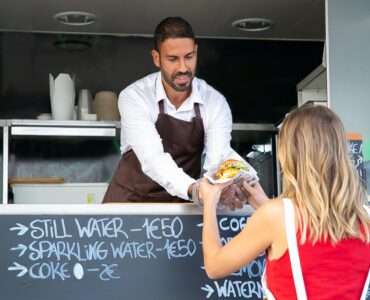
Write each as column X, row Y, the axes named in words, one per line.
column 316, row 234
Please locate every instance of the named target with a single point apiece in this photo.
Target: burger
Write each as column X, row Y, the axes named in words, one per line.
column 229, row 168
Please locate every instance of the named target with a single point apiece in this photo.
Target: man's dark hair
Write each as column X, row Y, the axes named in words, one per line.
column 172, row 27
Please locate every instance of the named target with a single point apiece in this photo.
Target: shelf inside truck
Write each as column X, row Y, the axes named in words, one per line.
column 62, row 128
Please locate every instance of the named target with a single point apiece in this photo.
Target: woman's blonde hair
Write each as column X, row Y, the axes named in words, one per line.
column 319, row 176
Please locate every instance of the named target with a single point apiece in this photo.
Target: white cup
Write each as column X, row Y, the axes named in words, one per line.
column 84, row 105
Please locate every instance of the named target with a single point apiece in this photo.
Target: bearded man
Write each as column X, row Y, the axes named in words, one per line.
column 169, row 119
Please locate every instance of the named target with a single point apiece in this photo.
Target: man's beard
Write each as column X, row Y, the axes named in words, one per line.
column 171, row 81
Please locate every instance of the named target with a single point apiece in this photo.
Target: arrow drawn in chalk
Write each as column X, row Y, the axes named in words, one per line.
column 22, row 229
column 208, row 289
column 20, row 247
column 17, row 267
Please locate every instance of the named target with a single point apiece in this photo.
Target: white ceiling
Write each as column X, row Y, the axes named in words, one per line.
column 294, row 19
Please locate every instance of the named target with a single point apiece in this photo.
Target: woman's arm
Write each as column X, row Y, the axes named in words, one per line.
column 257, row 235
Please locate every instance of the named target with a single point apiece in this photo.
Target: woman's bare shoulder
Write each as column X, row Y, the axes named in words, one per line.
column 273, row 207
column 271, row 213
column 268, row 220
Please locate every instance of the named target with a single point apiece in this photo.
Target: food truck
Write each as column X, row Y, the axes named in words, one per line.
column 58, row 156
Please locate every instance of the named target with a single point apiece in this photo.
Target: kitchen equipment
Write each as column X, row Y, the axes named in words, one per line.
column 60, row 193
column 62, row 96
column 106, row 106
column 84, row 105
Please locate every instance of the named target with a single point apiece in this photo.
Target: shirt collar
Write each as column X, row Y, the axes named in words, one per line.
column 160, row 93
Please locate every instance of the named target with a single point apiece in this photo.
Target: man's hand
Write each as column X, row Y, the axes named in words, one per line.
column 232, row 196
column 193, row 193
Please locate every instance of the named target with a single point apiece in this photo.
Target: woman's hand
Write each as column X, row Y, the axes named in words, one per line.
column 210, row 193
column 254, row 193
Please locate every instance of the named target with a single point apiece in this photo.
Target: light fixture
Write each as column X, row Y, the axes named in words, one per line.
column 253, row 24
column 75, row 18
column 75, row 42
column 72, row 44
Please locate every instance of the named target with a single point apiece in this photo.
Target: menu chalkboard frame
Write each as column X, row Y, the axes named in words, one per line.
column 16, row 217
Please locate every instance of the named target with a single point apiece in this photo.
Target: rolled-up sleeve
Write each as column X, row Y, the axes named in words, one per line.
column 218, row 132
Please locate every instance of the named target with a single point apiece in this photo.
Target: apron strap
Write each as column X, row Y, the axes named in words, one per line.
column 367, row 281
column 197, row 110
column 293, row 249
column 161, row 107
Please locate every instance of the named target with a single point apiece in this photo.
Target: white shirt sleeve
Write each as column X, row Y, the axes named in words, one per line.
column 218, row 133
column 140, row 133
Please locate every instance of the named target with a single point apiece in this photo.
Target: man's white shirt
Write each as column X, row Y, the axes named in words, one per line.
column 138, row 106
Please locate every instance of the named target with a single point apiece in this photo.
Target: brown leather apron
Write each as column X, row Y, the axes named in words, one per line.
column 183, row 140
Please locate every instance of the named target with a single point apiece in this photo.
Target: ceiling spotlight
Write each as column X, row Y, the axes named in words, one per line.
column 252, row 24
column 72, row 44
column 76, row 18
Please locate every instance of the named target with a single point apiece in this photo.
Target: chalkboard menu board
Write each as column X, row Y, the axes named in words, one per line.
column 116, row 257
column 355, row 145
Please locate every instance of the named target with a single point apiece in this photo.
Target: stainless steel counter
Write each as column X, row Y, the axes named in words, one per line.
column 116, row 209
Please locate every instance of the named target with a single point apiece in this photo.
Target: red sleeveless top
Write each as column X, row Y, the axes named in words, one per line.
column 329, row 272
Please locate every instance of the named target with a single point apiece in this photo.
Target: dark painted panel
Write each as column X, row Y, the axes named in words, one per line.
column 258, row 78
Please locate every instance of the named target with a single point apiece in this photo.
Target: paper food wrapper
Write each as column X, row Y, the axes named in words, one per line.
column 250, row 176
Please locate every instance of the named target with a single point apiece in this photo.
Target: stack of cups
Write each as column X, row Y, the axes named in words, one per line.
column 106, row 106
column 84, row 105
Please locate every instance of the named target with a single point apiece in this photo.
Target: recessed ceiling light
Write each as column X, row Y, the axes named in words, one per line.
column 72, row 44
column 252, row 24
column 76, row 18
